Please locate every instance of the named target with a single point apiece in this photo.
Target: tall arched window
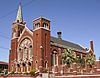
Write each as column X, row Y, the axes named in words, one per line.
column 37, row 25
column 54, row 58
column 26, row 52
column 30, row 52
column 45, row 25
column 19, row 54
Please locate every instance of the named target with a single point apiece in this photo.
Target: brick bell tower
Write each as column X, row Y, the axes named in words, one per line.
column 17, row 28
column 41, row 43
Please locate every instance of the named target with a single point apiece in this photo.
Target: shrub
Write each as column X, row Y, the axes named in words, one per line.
column 45, row 70
column 19, row 72
column 0, row 70
column 6, row 72
column 1, row 74
column 33, row 72
column 12, row 72
column 26, row 73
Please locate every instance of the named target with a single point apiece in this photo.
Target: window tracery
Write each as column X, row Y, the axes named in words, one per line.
column 25, row 51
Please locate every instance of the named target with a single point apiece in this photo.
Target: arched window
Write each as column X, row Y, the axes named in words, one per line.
column 30, row 52
column 25, row 49
column 37, row 25
column 25, row 54
column 54, row 58
column 19, row 54
column 45, row 25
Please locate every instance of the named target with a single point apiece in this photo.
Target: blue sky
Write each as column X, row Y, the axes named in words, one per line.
column 79, row 20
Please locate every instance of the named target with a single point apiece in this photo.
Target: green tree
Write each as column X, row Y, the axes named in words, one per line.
column 90, row 59
column 67, row 57
column 33, row 72
column 0, row 70
column 80, row 60
column 45, row 70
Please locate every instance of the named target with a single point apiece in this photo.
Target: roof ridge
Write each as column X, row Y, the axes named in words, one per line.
column 67, row 43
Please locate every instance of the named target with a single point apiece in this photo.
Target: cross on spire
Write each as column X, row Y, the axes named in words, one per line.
column 19, row 14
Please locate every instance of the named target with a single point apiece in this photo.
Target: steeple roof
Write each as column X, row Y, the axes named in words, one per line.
column 19, row 14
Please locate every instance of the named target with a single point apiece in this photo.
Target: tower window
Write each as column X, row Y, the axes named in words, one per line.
column 45, row 25
column 37, row 25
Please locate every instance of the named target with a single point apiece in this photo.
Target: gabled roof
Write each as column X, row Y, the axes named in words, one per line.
column 4, row 63
column 66, row 44
column 25, row 29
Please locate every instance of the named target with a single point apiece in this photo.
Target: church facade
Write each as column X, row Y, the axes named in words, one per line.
column 36, row 48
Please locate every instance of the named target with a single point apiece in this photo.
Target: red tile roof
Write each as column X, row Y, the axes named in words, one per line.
column 5, row 63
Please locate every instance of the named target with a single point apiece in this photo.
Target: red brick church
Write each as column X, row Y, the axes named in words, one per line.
column 36, row 48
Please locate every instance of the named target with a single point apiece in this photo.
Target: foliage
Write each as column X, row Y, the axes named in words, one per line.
column 6, row 72
column 18, row 73
column 26, row 73
column 12, row 72
column 45, row 70
column 33, row 72
column 90, row 59
column 67, row 56
column 80, row 60
column 1, row 74
column 0, row 70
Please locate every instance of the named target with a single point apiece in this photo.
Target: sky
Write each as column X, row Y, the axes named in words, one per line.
column 79, row 20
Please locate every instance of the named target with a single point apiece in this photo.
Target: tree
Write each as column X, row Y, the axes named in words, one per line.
column 68, row 57
column 80, row 60
column 33, row 72
column 90, row 59
column 0, row 70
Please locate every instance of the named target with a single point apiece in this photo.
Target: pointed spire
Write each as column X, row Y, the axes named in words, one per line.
column 19, row 14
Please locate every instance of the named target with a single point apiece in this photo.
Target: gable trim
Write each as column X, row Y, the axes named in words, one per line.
column 24, row 38
column 24, row 31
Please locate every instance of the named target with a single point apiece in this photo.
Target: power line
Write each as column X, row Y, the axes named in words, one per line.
column 3, row 33
column 4, row 36
column 9, row 13
column 27, row 3
column 4, row 48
